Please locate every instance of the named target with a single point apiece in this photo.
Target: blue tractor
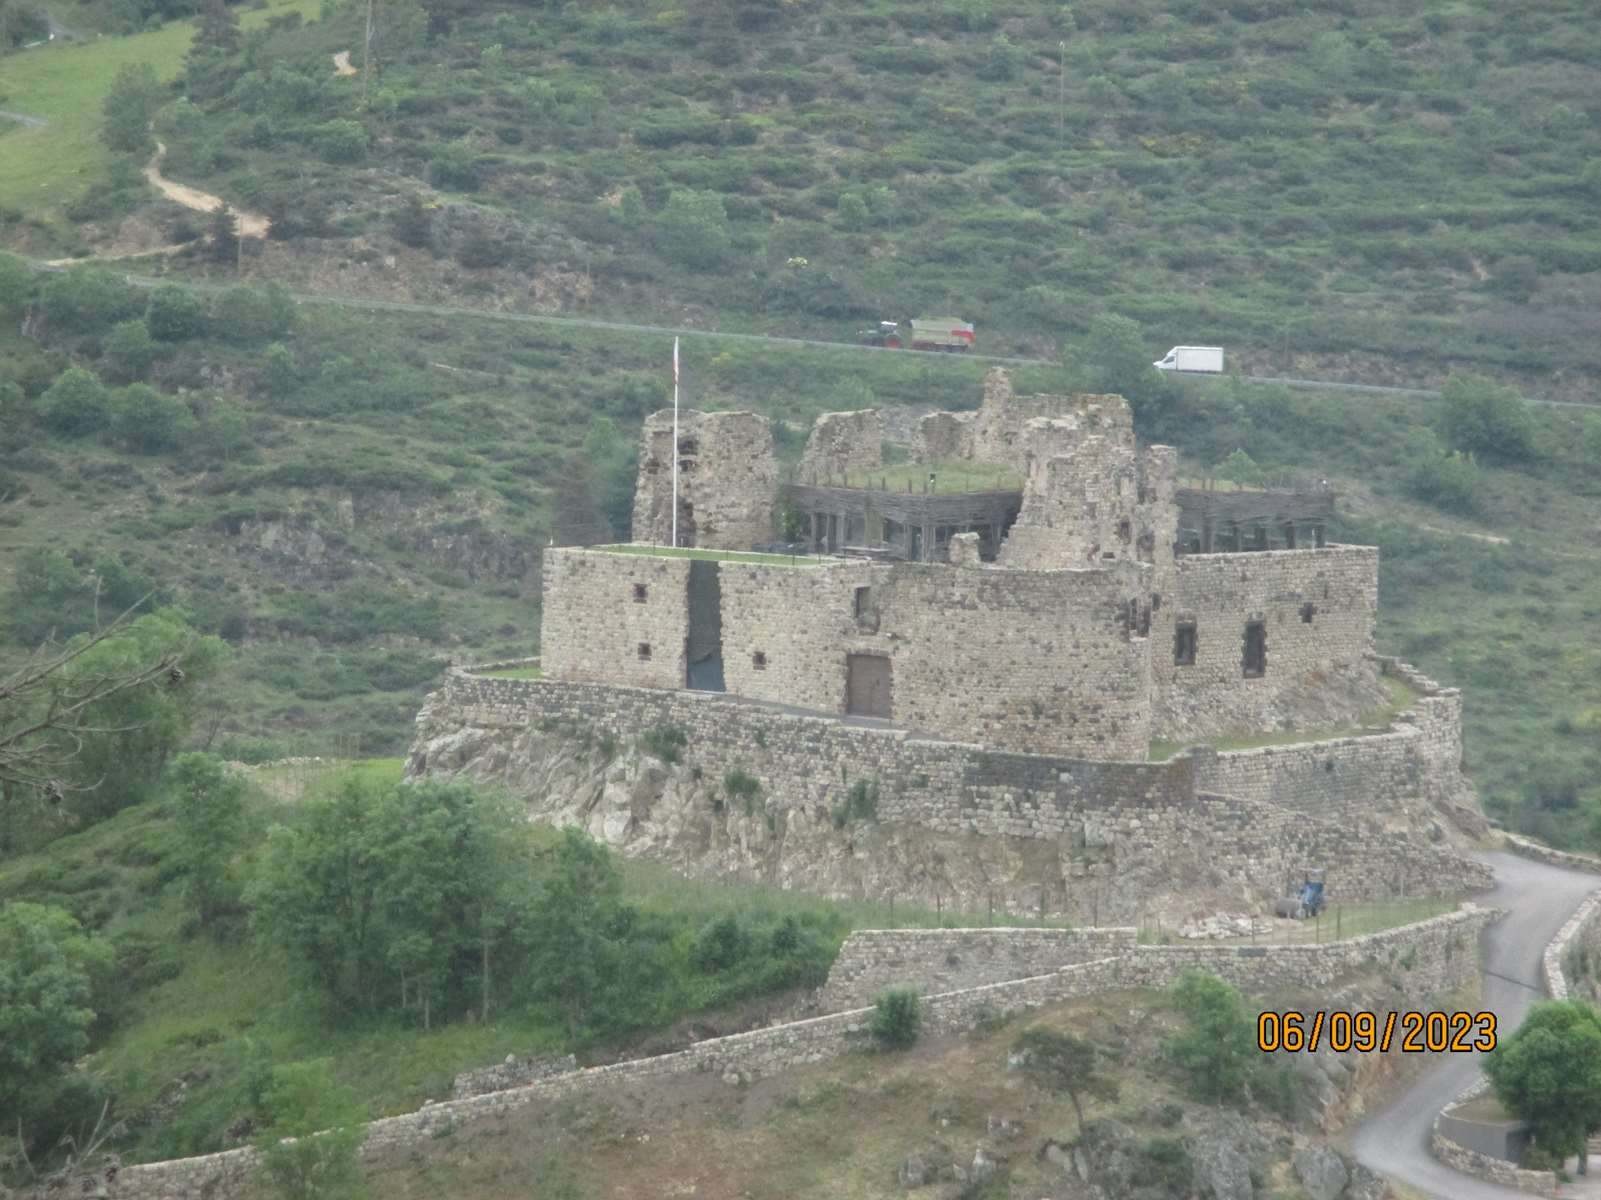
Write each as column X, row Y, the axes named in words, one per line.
column 1307, row 901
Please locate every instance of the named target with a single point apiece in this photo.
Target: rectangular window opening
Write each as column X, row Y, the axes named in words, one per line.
column 1308, row 611
column 644, row 651
column 1255, row 660
column 758, row 661
column 1184, row 644
column 640, row 591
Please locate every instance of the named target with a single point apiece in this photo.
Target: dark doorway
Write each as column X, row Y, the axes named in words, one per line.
column 704, row 650
column 686, row 523
column 867, row 687
column 1255, row 663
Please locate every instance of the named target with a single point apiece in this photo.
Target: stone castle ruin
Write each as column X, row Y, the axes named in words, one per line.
column 954, row 694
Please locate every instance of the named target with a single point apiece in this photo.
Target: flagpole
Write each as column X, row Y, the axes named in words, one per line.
column 675, row 443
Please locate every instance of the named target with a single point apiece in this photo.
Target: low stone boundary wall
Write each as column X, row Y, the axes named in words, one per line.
column 1539, row 852
column 1551, row 970
column 763, row 1052
column 514, row 1072
column 946, row 960
column 1483, row 1166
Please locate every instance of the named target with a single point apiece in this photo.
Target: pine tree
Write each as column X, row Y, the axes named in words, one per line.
column 219, row 28
column 224, row 234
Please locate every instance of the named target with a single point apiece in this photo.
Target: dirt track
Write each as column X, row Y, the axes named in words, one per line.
column 342, row 64
column 250, row 224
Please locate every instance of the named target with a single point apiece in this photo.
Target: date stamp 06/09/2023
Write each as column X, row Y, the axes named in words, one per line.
column 1293, row 1032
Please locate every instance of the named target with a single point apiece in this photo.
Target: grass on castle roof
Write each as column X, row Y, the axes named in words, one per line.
column 1402, row 697
column 778, row 560
column 513, row 673
column 950, row 478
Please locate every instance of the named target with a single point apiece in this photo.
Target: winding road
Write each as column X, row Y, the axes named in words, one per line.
column 1395, row 1140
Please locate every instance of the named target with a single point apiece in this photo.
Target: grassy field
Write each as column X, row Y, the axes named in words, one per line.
column 65, row 84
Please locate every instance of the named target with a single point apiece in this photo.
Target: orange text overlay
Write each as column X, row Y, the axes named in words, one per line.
column 1410, row 1032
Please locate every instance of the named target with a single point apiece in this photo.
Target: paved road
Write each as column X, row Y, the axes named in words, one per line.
column 1395, row 1141
column 485, row 314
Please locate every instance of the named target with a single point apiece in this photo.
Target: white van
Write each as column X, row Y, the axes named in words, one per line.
column 1201, row 359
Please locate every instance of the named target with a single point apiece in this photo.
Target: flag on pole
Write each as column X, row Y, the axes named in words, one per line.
column 675, row 442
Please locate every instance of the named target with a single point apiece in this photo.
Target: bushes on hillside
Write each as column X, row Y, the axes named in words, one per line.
column 89, row 299
column 1217, row 1052
column 693, row 230
column 897, row 1019
column 149, row 421
column 1447, row 479
column 1486, row 419
column 175, row 313
column 248, row 314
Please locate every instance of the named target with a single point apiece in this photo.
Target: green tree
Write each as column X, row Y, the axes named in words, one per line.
column 129, row 108
column 383, row 897
column 576, row 516
column 576, row 961
column 219, row 28
column 226, row 429
column 1240, row 468
column 1118, row 359
column 693, row 230
column 88, row 300
column 16, row 283
column 1218, row 1049
column 130, row 349
column 340, row 141
column 175, row 313
column 75, row 404
column 1065, row 1065
column 852, row 210
column 614, row 459
column 1548, row 1073
column 223, row 235
column 1486, row 419
column 302, row 1100
column 48, row 971
column 149, row 421
column 209, row 807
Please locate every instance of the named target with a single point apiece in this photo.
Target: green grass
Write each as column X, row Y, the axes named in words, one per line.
column 514, row 673
column 66, row 83
column 949, row 477
column 1402, row 697
column 776, row 560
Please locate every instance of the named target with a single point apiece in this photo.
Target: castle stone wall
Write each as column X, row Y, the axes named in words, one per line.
column 841, row 442
column 593, row 626
column 1335, row 587
column 727, row 480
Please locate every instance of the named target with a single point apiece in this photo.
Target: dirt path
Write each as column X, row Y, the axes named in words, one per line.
column 23, row 119
column 342, row 64
column 250, row 224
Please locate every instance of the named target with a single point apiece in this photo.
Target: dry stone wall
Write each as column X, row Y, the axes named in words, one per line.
column 1440, row 952
column 933, row 961
column 1317, row 609
column 513, row 1072
column 598, row 625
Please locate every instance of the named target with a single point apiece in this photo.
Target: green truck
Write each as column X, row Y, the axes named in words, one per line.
column 924, row 333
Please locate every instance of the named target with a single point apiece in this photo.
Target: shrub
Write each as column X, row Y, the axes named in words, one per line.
column 75, row 404
column 340, row 141
column 129, row 349
column 897, row 1019
column 175, row 313
column 861, row 804
column 693, row 230
column 455, row 167
column 147, row 420
column 89, row 299
column 720, row 945
column 1448, row 479
column 664, row 742
column 248, row 314
column 1486, row 418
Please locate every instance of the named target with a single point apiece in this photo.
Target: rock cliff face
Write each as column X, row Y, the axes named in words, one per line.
column 724, row 789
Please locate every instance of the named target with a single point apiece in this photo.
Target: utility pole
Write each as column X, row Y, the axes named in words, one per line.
column 366, row 56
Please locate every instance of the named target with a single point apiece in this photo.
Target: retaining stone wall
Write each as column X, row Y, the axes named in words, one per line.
column 1580, row 930
column 514, row 1072
column 946, row 960
column 1528, row 848
column 1483, row 1166
column 765, row 1052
